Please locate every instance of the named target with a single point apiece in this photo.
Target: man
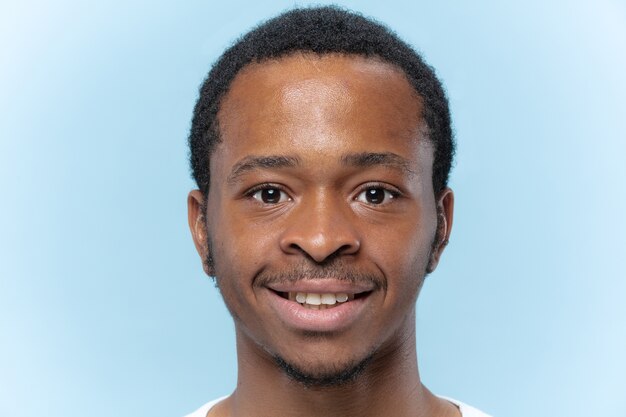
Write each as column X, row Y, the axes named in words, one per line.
column 321, row 146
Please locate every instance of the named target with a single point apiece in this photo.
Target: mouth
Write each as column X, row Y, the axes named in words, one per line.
column 321, row 301
column 320, row 306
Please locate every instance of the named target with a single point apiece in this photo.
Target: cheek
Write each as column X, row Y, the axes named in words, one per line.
column 240, row 251
column 403, row 256
column 227, row 263
column 243, row 247
column 233, row 277
column 406, row 273
column 407, row 244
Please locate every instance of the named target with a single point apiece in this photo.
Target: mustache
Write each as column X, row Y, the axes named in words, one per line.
column 338, row 271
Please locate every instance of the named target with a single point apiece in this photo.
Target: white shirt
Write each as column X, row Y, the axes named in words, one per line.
column 466, row 410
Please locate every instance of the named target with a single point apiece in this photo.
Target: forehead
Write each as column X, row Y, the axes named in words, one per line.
column 345, row 70
column 326, row 103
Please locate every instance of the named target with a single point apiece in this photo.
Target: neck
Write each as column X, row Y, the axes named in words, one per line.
column 389, row 385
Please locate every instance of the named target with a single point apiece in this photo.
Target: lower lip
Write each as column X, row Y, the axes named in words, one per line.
column 333, row 319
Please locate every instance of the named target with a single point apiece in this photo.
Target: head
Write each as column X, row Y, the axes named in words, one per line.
column 321, row 145
column 320, row 31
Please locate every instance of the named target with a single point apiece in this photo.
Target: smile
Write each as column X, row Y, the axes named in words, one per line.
column 320, row 306
column 320, row 301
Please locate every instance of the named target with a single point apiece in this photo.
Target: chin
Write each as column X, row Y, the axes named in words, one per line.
column 323, row 374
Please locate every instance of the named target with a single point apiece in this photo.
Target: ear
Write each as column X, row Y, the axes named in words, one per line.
column 196, row 206
column 445, row 214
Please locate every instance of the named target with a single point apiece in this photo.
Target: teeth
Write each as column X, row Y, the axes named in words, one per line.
column 342, row 298
column 329, row 299
column 313, row 299
column 320, row 300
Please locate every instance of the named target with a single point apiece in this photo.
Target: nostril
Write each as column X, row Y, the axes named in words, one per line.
column 324, row 256
column 349, row 248
column 319, row 242
column 295, row 247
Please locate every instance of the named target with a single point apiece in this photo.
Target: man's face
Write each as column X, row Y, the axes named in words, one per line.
column 321, row 190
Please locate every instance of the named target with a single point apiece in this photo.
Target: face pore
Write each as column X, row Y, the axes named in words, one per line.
column 322, row 187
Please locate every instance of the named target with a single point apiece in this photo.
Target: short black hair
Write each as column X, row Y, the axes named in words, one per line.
column 320, row 30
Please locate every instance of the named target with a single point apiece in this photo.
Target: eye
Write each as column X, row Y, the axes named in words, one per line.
column 270, row 195
column 376, row 195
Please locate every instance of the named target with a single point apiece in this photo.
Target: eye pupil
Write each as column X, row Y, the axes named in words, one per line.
column 270, row 195
column 375, row 195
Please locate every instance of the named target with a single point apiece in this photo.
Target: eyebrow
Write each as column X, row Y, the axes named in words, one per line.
column 358, row 160
column 253, row 162
column 370, row 159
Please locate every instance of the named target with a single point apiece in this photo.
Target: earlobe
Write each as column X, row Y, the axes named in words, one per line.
column 196, row 206
column 445, row 215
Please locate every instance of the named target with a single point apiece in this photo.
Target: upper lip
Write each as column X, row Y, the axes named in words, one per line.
column 322, row 286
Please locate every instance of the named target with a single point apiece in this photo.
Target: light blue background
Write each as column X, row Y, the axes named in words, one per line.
column 104, row 309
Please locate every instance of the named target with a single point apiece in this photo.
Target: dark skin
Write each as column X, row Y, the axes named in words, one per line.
column 323, row 166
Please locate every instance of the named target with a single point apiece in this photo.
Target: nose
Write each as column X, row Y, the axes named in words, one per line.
column 321, row 229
